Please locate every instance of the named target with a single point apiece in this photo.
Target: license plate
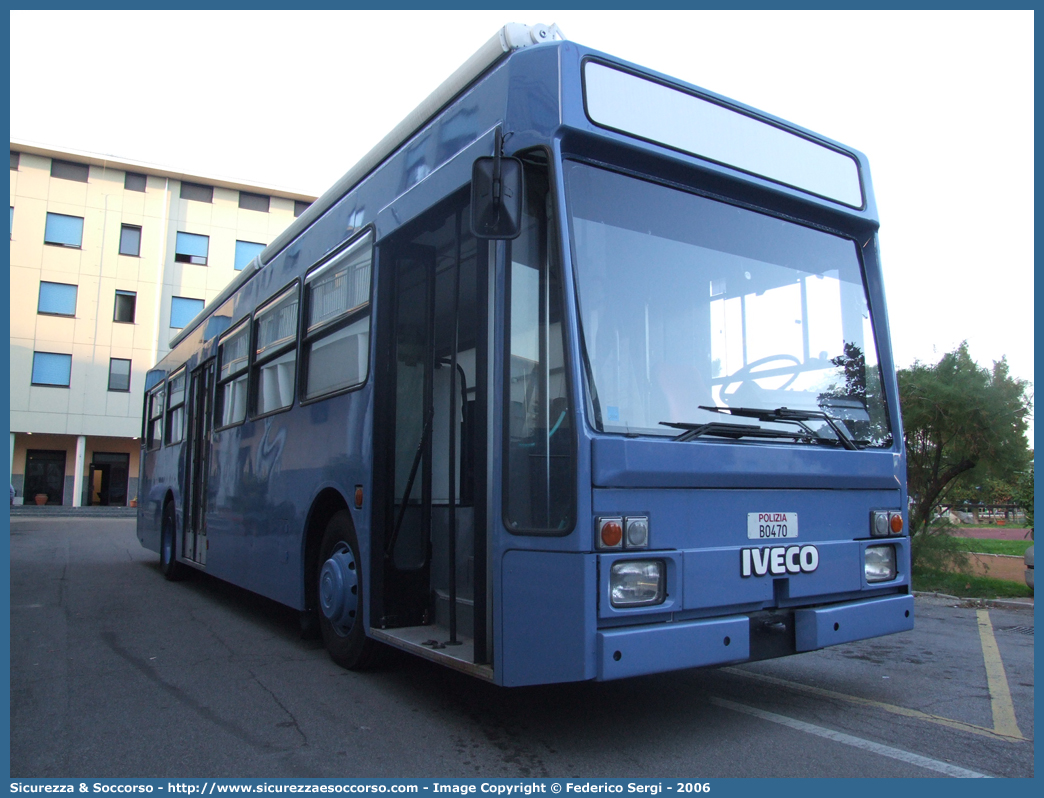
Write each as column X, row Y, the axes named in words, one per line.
column 772, row 526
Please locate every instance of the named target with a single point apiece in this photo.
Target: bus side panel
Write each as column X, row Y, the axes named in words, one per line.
column 548, row 616
column 264, row 476
column 157, row 478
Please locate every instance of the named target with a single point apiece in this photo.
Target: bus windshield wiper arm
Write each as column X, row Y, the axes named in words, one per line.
column 785, row 414
column 723, row 430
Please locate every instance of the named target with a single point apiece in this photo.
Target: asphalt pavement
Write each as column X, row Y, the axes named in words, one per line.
column 117, row 672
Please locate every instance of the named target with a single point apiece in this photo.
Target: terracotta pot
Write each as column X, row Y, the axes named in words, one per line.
column 133, row 502
column 40, row 499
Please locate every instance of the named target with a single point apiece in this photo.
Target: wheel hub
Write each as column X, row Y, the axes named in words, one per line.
column 339, row 591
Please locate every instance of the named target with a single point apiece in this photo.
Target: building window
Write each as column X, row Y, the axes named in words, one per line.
column 254, row 202
column 275, row 360
column 57, row 299
column 63, row 231
column 337, row 335
column 134, row 182
column 300, row 207
column 125, row 306
column 51, row 368
column 130, row 240
column 194, row 191
column 67, row 170
column 233, row 356
column 119, row 374
column 176, row 408
column 246, row 251
column 191, row 248
column 183, row 310
column 15, row 158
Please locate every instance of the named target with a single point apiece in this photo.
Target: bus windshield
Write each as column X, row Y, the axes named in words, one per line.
column 693, row 309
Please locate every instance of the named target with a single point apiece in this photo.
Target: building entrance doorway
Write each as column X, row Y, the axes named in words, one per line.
column 107, row 480
column 44, row 474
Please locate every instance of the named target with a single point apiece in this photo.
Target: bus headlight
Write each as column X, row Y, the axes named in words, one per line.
column 637, row 583
column 879, row 563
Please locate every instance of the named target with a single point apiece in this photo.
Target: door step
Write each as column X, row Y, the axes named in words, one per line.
column 429, row 642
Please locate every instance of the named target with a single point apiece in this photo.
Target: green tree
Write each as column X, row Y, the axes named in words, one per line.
column 962, row 422
column 991, row 490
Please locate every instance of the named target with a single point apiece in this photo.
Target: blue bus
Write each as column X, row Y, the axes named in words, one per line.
column 582, row 373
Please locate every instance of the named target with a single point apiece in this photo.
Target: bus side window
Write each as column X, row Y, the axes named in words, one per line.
column 540, row 463
column 155, row 426
column 275, row 362
column 176, row 408
column 230, row 407
column 337, row 333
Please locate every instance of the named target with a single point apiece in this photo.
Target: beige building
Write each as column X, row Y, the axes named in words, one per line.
column 109, row 260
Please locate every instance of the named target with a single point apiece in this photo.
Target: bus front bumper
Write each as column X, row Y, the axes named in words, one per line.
column 653, row 648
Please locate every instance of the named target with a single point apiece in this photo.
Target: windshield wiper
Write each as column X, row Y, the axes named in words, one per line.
column 723, row 430
column 785, row 414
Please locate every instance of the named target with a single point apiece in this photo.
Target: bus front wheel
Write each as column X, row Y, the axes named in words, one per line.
column 169, row 565
column 340, row 595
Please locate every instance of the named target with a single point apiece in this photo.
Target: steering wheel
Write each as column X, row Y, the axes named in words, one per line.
column 746, row 373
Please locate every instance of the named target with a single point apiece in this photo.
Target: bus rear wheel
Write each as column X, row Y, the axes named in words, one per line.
column 169, row 565
column 340, row 596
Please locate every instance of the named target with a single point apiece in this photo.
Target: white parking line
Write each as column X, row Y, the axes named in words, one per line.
column 857, row 742
column 916, row 714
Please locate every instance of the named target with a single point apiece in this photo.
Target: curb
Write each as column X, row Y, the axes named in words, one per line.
column 1000, row 604
column 63, row 511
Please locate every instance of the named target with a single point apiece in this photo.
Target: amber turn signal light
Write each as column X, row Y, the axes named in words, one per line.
column 610, row 532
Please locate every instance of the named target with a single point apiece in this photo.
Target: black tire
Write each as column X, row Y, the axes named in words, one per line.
column 344, row 635
column 169, row 565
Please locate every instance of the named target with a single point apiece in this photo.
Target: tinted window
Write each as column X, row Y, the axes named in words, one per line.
column 63, row 231
column 540, row 472
column 119, row 374
column 67, row 170
column 183, row 310
column 194, row 191
column 338, row 329
column 246, row 251
column 253, row 202
column 690, row 306
column 233, row 357
column 176, row 408
column 191, row 248
column 130, row 240
column 154, row 433
column 134, row 182
column 275, row 366
column 57, row 299
column 50, row 368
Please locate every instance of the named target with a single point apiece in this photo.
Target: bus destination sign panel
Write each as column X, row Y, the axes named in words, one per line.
column 652, row 111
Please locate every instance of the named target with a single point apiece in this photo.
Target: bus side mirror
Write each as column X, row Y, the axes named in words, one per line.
column 496, row 197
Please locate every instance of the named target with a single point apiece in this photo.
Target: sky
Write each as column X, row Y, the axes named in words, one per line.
column 940, row 102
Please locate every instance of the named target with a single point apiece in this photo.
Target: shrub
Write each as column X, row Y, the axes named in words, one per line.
column 936, row 549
